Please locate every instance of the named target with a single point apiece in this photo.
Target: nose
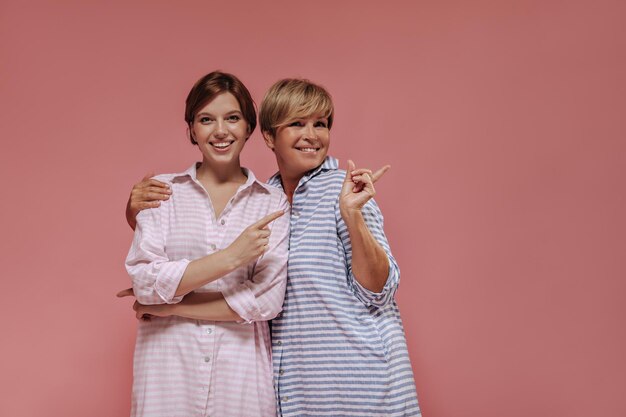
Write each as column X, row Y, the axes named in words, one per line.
column 220, row 128
column 309, row 131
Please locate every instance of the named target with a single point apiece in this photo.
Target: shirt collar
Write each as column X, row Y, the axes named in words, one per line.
column 329, row 164
column 251, row 180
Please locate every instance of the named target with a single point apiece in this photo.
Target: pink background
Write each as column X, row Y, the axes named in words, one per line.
column 505, row 126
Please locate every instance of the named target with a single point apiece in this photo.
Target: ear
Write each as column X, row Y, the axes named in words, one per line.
column 191, row 134
column 269, row 140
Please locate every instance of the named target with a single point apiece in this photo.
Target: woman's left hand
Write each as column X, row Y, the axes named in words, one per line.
column 144, row 312
column 358, row 188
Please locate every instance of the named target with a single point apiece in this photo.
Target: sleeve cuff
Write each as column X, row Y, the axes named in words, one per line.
column 243, row 302
column 377, row 299
column 168, row 279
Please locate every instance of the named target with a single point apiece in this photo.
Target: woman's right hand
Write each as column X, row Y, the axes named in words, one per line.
column 252, row 242
column 148, row 193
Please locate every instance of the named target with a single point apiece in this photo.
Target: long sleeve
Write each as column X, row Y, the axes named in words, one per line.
column 261, row 297
column 374, row 221
column 154, row 276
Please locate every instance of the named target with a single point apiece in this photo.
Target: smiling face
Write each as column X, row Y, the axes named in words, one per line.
column 220, row 130
column 296, row 116
column 300, row 145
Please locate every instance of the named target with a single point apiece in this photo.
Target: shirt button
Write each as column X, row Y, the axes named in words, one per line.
column 281, row 372
column 285, row 398
column 279, row 343
column 207, row 359
column 222, row 222
column 212, row 246
column 209, row 331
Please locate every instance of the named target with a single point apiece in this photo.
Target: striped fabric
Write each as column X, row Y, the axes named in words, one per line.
column 189, row 368
column 338, row 348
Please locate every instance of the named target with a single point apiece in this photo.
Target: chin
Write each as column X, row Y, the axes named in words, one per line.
column 221, row 159
column 306, row 166
column 298, row 164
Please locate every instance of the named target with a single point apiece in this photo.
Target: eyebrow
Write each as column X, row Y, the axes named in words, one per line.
column 204, row 113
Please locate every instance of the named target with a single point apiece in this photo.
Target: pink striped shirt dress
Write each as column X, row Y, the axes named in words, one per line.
column 185, row 367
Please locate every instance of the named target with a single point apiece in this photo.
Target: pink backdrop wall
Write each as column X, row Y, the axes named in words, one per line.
column 504, row 123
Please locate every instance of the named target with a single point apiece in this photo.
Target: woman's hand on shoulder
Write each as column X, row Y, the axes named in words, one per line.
column 148, row 193
column 358, row 188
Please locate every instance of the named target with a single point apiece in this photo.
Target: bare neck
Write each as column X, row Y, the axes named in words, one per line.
column 289, row 186
column 215, row 176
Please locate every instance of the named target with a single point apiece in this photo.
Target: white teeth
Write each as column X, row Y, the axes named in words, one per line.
column 221, row 144
column 308, row 149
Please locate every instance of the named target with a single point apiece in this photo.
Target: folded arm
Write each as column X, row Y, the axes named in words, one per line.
column 258, row 298
column 198, row 306
column 261, row 297
column 157, row 279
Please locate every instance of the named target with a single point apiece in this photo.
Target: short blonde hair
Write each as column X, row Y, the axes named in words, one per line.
column 293, row 98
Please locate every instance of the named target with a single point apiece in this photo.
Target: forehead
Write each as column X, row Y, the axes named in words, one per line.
column 222, row 103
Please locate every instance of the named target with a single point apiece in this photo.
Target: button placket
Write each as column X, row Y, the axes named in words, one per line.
column 220, row 230
column 207, row 352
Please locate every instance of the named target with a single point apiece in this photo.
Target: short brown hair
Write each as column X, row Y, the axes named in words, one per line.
column 213, row 84
column 292, row 98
